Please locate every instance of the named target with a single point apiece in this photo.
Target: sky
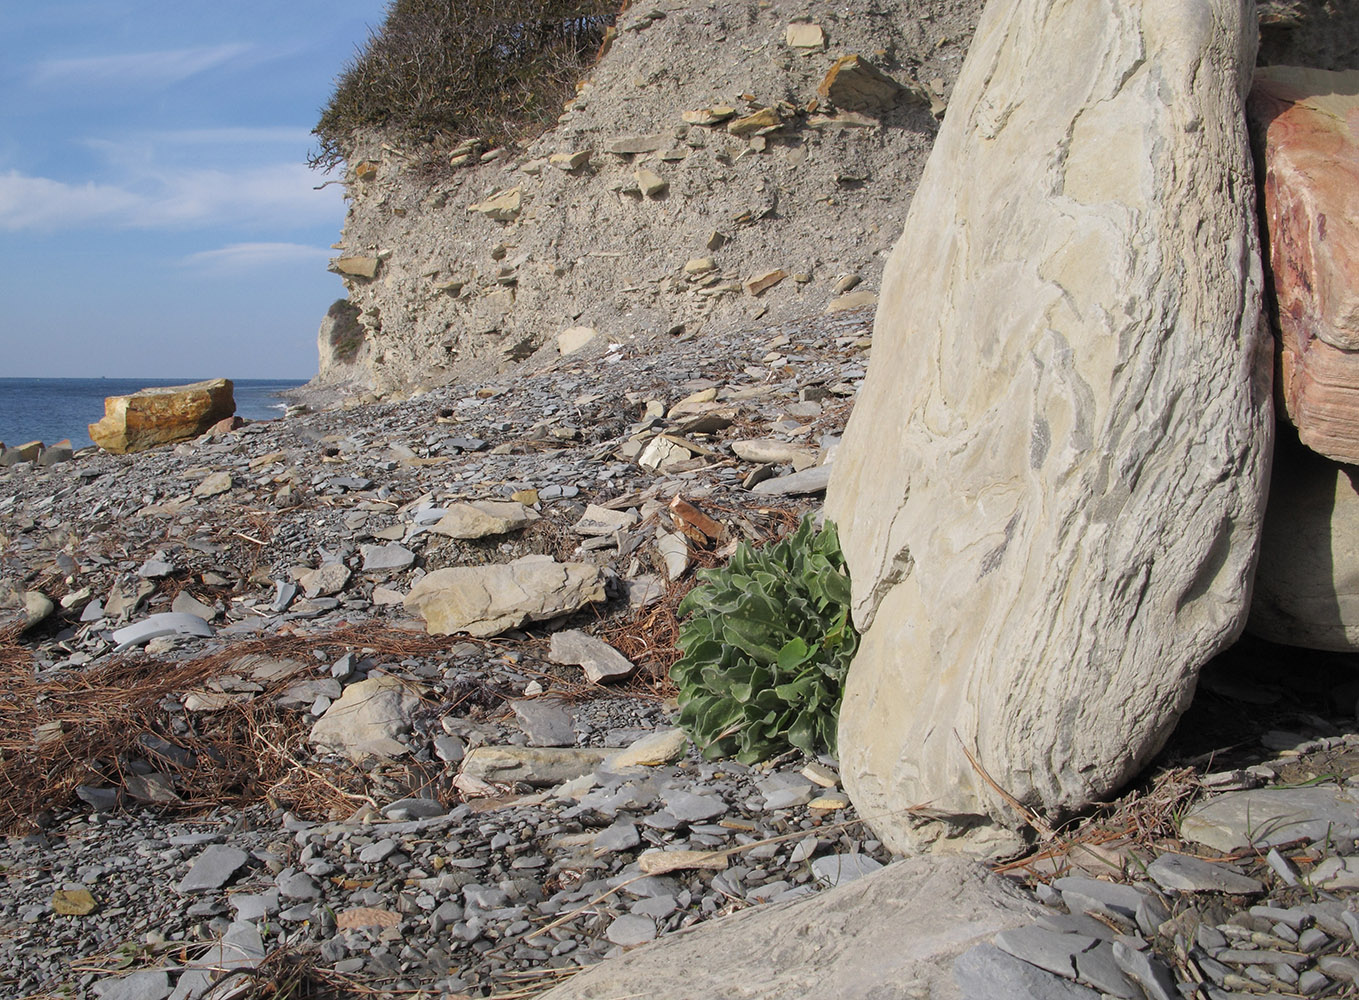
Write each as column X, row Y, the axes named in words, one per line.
column 157, row 215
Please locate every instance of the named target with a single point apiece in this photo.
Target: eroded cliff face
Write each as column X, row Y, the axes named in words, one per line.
column 698, row 179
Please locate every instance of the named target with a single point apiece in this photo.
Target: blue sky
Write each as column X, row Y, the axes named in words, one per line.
column 157, row 217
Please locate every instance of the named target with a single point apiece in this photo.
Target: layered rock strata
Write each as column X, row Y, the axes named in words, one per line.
column 1306, row 125
column 1051, row 487
column 162, row 415
column 700, row 136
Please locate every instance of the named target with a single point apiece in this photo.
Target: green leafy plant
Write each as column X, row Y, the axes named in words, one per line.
column 766, row 645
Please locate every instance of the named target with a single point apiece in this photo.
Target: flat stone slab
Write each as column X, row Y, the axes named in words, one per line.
column 893, row 933
column 1266, row 817
column 155, row 626
column 813, row 480
column 545, row 721
column 486, row 600
column 367, row 719
column 986, row 971
column 1183, row 873
column 151, row 984
column 538, row 766
column 600, row 661
column 212, row 869
column 661, row 747
column 483, row 518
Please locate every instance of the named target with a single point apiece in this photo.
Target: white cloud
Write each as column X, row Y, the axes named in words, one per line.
column 234, row 136
column 135, row 68
column 248, row 256
column 40, row 203
column 272, row 194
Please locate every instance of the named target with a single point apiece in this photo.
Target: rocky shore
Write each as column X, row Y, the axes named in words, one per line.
column 185, row 623
column 230, row 750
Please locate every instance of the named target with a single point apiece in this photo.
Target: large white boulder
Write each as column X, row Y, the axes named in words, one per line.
column 1050, row 490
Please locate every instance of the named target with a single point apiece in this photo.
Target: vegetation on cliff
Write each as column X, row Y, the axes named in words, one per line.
column 438, row 72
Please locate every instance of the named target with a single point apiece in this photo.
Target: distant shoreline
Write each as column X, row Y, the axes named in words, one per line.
column 50, row 409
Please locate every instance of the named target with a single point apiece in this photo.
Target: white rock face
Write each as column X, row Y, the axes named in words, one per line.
column 1307, row 583
column 1050, row 491
column 925, row 913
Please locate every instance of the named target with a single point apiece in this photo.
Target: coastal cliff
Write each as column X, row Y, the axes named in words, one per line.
column 702, row 178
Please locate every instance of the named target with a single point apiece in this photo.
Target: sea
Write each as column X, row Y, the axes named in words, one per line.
column 49, row 409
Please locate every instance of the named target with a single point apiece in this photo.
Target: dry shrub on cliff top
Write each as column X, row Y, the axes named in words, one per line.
column 440, row 71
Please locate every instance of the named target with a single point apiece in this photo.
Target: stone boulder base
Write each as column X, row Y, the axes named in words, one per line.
column 894, row 933
column 1306, row 129
column 162, row 415
column 1050, row 490
column 486, row 600
column 1307, row 583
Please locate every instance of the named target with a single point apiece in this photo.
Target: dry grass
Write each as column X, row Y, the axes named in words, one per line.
column 87, row 727
column 439, row 71
column 1147, row 818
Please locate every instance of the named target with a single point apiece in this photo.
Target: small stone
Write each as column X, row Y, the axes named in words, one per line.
column 487, row 600
column 483, row 518
column 538, row 766
column 598, row 521
column 600, row 661
column 1151, row 974
column 765, row 118
column 378, row 851
column 298, row 886
column 758, row 284
column 212, row 869
column 690, row 808
column 73, row 902
column 674, row 550
column 1341, row 967
column 986, row 971
column 837, row 869
column 545, row 722
column 367, row 719
column 37, row 607
column 854, row 300
column 1089, row 895
column 630, row 930
column 1188, row 874
column 1265, row 817
column 150, row 984
column 774, row 451
column 329, row 579
column 165, row 623
column 388, row 558
column 622, row 836
column 357, row 267
column 214, row 485
column 153, row 569
column 813, row 480
column 664, row 746
column 503, row 206
column 570, row 161
column 805, row 36
column 574, row 339
column 185, row 604
column 1046, row 949
column 652, row 184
